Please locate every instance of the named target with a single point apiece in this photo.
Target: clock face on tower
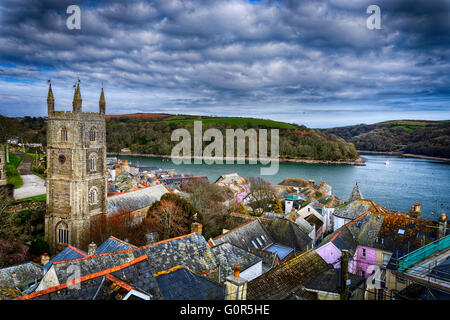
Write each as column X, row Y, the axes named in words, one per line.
column 62, row 158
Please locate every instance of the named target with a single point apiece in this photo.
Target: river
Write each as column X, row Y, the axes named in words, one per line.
column 395, row 186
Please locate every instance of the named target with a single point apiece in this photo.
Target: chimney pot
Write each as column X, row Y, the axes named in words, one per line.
column 92, row 249
column 237, row 270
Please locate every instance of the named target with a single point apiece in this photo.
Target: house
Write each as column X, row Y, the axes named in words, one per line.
column 180, row 283
column 177, row 182
column 190, row 250
column 352, row 210
column 104, row 277
column 136, row 201
column 19, row 278
column 279, row 283
column 228, row 255
column 239, row 185
column 327, row 286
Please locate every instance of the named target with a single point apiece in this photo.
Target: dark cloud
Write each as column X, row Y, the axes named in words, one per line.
column 277, row 59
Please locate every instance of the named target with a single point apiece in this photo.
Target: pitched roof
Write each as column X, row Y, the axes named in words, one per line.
column 228, row 255
column 113, row 244
column 288, row 233
column 402, row 234
column 105, row 284
column 231, row 178
column 315, row 221
column 68, row 253
column 190, row 250
column 280, row 282
column 355, row 208
column 136, row 199
column 179, row 283
column 25, row 274
column 248, row 235
column 329, row 281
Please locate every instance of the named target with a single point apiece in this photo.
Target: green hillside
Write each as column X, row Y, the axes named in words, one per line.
column 421, row 137
column 145, row 133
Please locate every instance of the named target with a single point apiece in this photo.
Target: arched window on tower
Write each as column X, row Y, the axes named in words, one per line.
column 62, row 232
column 63, row 134
column 93, row 195
column 93, row 162
column 93, row 134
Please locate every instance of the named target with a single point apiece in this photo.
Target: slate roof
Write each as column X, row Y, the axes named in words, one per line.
column 312, row 219
column 113, row 244
column 106, row 284
column 62, row 270
column 280, row 282
column 288, row 233
column 137, row 199
column 182, row 284
column 246, row 236
column 68, row 253
column 228, row 255
column 329, row 281
column 7, row 293
column 408, row 241
column 352, row 210
column 190, row 250
column 26, row 274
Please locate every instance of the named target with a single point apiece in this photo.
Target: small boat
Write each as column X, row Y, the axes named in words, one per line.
column 386, row 163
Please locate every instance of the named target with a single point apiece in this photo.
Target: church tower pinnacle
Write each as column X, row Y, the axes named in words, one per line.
column 77, row 99
column 102, row 103
column 50, row 99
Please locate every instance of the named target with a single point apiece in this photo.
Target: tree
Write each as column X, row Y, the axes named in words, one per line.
column 262, row 195
column 12, row 252
column 168, row 219
column 278, row 207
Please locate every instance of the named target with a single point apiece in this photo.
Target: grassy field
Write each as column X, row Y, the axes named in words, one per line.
column 41, row 197
column 231, row 121
column 12, row 174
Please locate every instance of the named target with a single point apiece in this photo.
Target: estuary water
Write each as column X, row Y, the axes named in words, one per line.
column 391, row 181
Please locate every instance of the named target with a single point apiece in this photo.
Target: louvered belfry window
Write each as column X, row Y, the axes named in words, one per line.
column 63, row 233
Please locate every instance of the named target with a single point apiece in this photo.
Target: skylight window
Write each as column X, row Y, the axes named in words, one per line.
column 259, row 241
column 254, row 244
column 401, row 231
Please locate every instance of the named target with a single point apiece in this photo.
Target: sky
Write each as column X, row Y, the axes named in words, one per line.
column 314, row 63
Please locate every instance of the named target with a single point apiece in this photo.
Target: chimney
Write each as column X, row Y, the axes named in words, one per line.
column 236, row 286
column 92, row 249
column 344, row 275
column 195, row 226
column 442, row 225
column 45, row 259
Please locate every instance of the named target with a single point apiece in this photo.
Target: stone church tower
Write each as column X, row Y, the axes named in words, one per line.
column 76, row 172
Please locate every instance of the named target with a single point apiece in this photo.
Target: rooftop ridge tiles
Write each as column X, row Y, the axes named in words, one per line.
column 124, row 242
column 81, row 279
column 119, row 282
column 157, row 274
column 234, row 229
column 95, row 255
column 168, row 240
column 77, row 250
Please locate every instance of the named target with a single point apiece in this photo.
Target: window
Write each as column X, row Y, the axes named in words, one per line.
column 254, row 244
column 93, row 162
column 363, row 253
column 93, row 195
column 63, row 134
column 62, row 233
column 262, row 237
column 401, row 231
column 92, row 134
column 380, row 294
column 259, row 241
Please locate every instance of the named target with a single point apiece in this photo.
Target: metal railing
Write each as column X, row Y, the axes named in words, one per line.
column 422, row 253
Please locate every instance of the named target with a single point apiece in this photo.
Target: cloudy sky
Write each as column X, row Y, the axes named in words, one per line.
column 307, row 62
